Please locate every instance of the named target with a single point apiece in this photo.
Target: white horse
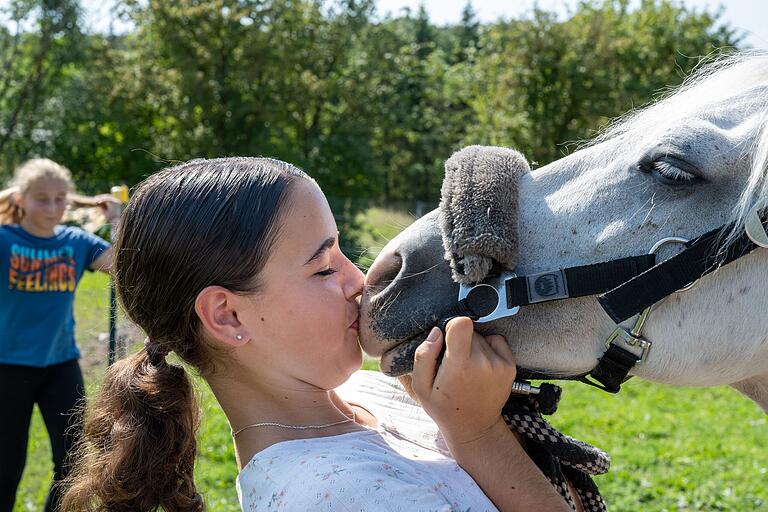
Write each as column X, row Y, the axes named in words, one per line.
column 680, row 167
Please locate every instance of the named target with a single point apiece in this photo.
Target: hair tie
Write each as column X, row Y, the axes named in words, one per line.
column 156, row 353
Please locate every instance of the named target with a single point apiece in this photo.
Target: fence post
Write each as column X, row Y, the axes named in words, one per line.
column 120, row 193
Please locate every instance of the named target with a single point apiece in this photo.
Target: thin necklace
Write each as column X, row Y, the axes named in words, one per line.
column 295, row 427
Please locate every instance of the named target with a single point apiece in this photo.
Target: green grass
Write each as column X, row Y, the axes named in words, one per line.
column 673, row 449
column 377, row 226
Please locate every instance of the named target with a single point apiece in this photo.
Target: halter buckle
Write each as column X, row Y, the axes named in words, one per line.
column 499, row 284
column 631, row 340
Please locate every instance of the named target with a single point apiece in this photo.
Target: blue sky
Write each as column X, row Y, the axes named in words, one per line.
column 750, row 16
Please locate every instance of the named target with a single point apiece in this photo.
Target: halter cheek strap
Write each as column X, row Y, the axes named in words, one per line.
column 702, row 256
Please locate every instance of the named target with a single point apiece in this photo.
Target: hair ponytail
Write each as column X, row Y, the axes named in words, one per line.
column 139, row 444
column 10, row 212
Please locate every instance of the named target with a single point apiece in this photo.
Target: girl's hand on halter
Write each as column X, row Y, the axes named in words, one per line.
column 464, row 396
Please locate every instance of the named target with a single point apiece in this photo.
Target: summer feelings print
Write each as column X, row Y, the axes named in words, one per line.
column 42, row 270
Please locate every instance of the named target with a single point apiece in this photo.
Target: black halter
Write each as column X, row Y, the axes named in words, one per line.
column 627, row 287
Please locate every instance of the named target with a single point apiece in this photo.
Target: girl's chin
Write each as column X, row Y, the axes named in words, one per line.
column 358, row 360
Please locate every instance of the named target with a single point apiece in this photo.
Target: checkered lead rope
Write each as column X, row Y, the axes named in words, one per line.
column 561, row 458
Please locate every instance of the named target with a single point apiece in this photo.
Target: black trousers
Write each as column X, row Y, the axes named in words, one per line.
column 57, row 390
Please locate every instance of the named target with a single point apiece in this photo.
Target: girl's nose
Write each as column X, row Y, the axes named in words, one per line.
column 354, row 280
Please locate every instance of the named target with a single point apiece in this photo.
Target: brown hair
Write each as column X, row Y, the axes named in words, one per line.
column 23, row 177
column 206, row 222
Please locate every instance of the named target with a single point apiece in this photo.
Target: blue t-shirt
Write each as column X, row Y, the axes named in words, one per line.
column 38, row 278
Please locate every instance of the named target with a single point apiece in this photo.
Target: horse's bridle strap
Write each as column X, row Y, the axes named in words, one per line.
column 612, row 369
column 702, row 256
column 575, row 281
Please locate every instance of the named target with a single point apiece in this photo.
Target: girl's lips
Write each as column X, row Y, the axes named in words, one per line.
column 355, row 325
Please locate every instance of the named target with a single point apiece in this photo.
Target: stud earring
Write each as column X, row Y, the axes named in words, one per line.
column 239, row 337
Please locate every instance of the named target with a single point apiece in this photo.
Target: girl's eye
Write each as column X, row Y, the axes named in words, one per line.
column 326, row 272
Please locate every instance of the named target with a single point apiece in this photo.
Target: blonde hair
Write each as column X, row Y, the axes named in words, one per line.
column 25, row 175
column 32, row 170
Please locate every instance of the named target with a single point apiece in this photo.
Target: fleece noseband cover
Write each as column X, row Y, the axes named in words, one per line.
column 478, row 210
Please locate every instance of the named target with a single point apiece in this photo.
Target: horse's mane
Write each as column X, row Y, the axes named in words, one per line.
column 715, row 80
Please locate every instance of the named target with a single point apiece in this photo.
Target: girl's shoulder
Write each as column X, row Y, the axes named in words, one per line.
column 357, row 474
column 65, row 231
column 11, row 231
column 312, row 451
column 70, row 230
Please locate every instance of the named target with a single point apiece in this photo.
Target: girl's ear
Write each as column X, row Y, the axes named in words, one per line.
column 217, row 309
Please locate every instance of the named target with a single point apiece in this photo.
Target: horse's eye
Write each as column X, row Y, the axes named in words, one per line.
column 670, row 171
column 671, row 175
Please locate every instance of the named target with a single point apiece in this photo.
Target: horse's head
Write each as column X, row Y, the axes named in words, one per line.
column 681, row 167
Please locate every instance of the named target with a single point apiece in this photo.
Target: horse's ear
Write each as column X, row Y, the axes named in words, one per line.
column 478, row 210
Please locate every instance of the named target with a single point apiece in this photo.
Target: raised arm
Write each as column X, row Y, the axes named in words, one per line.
column 464, row 396
column 110, row 207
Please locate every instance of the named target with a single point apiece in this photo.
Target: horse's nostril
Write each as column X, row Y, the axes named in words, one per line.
column 384, row 269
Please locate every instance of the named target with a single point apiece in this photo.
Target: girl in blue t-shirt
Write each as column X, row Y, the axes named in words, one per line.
column 41, row 263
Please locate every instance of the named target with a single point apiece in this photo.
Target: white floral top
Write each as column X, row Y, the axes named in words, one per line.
column 402, row 465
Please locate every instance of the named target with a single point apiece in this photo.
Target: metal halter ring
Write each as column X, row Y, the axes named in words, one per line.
column 672, row 240
column 499, row 285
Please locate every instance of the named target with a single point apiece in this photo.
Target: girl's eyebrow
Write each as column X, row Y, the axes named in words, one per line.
column 327, row 244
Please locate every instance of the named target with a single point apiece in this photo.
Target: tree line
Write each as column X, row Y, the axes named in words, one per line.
column 369, row 105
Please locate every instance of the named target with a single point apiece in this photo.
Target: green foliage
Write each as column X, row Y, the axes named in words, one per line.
column 541, row 82
column 371, row 107
column 39, row 41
